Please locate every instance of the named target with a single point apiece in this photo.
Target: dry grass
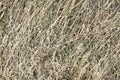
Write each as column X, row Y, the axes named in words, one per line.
column 59, row 39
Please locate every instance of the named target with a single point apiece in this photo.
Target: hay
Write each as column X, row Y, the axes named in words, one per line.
column 60, row 40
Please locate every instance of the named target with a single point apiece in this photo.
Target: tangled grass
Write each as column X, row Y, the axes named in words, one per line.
column 59, row 39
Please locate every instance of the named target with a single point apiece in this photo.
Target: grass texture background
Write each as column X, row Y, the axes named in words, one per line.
column 59, row 39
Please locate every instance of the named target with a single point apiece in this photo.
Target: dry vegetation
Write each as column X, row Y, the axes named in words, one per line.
column 59, row 39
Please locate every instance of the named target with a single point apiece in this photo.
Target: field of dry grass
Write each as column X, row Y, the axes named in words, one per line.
column 59, row 39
